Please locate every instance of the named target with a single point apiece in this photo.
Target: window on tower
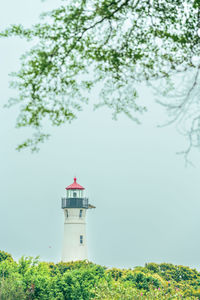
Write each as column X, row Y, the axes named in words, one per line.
column 74, row 194
column 66, row 213
column 80, row 213
column 81, row 239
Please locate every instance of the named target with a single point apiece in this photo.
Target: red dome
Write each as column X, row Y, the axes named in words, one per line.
column 74, row 186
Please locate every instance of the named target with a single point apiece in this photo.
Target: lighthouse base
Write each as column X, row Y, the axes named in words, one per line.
column 74, row 244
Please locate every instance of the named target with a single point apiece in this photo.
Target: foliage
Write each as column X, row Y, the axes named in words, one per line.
column 4, row 255
column 141, row 280
column 31, row 279
column 112, row 45
column 12, row 288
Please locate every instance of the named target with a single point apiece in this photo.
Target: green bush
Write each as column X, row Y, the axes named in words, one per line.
column 5, row 255
column 82, row 280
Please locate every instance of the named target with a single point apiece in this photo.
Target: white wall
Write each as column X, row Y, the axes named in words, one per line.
column 74, row 227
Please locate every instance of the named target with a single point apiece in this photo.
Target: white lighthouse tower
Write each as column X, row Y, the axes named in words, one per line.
column 75, row 206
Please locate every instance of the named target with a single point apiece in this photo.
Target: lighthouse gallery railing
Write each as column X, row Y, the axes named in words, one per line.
column 75, row 203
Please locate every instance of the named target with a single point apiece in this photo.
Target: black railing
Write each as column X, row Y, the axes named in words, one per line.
column 75, row 203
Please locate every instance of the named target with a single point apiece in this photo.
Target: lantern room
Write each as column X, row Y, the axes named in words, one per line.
column 75, row 196
column 75, row 190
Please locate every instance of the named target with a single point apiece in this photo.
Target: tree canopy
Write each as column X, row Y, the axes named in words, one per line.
column 112, row 44
column 30, row 278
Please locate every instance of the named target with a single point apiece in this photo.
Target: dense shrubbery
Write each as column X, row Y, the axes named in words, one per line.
column 31, row 279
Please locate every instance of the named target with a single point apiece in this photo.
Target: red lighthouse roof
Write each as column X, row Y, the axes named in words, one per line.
column 74, row 186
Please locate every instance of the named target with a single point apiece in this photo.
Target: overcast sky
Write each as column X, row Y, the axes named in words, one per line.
column 147, row 202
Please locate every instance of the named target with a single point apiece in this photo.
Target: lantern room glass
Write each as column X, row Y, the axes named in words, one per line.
column 74, row 193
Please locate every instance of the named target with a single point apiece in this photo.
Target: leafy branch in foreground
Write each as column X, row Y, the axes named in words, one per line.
column 114, row 44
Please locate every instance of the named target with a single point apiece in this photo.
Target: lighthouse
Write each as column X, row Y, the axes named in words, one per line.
column 75, row 206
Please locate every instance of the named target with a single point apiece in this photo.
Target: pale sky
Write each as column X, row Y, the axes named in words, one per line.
column 147, row 202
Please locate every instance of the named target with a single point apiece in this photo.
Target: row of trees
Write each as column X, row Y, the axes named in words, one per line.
column 31, row 279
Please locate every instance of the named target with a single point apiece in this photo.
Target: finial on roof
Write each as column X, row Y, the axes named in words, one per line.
column 75, row 179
